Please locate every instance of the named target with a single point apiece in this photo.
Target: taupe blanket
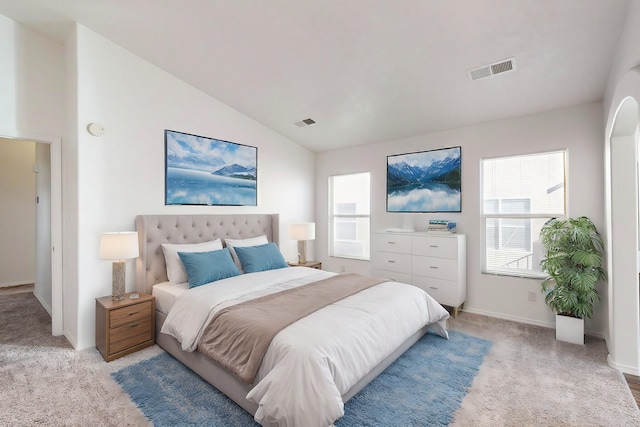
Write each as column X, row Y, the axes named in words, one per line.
column 238, row 336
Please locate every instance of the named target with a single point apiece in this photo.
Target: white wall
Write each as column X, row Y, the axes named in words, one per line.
column 136, row 101
column 51, row 91
column 70, row 191
column 31, row 81
column 621, row 172
column 627, row 56
column 121, row 174
column 7, row 73
column 32, row 107
column 18, row 213
column 579, row 129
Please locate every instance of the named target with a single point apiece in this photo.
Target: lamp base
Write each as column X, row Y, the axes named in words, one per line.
column 302, row 251
column 117, row 285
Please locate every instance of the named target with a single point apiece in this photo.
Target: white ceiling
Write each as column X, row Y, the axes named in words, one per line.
column 365, row 70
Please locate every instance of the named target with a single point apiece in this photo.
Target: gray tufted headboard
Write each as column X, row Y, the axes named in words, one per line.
column 153, row 230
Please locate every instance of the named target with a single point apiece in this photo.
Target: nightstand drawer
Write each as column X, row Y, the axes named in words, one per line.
column 311, row 264
column 130, row 335
column 128, row 314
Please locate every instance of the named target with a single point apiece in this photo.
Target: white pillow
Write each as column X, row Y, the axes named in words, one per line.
column 175, row 269
column 243, row 243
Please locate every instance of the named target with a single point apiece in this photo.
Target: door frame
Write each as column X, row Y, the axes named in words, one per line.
column 55, row 143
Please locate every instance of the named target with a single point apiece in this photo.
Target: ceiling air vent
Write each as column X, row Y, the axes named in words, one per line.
column 492, row 69
column 304, row 122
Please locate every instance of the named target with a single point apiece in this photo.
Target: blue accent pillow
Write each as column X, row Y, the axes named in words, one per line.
column 260, row 258
column 206, row 267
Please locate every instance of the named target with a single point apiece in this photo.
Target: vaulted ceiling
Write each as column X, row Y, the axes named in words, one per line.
column 365, row 71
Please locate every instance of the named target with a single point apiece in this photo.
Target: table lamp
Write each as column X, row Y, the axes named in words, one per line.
column 302, row 232
column 118, row 247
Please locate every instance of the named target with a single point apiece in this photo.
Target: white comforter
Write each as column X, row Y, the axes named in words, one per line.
column 311, row 363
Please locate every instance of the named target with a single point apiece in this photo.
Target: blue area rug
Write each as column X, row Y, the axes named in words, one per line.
column 424, row 387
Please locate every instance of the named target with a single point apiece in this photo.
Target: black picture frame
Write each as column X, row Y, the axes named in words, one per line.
column 206, row 171
column 425, row 181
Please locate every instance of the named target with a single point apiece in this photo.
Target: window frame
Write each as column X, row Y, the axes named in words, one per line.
column 355, row 217
column 532, row 216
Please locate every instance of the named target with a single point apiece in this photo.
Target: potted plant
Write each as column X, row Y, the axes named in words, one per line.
column 573, row 262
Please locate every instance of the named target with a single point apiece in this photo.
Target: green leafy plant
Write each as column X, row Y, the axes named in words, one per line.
column 573, row 262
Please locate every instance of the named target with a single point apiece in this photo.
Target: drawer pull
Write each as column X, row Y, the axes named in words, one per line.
column 433, row 266
column 132, row 314
column 391, row 243
column 432, row 287
column 391, row 261
column 433, row 246
column 135, row 325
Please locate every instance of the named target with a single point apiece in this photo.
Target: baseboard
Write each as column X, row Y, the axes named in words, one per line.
column 525, row 320
column 19, row 283
column 623, row 368
column 42, row 303
column 71, row 340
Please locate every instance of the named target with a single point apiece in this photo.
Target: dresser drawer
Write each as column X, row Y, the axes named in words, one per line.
column 390, row 261
column 128, row 314
column 130, row 335
column 397, row 243
column 443, row 291
column 438, row 268
column 441, row 247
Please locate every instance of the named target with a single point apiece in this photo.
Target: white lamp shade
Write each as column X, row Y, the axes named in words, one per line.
column 119, row 245
column 302, row 231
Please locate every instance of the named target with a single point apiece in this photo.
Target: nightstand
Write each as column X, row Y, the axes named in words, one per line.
column 311, row 264
column 124, row 326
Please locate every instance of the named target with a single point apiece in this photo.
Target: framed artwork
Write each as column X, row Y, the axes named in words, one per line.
column 208, row 171
column 426, row 181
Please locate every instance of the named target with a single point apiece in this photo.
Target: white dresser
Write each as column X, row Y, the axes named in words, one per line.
column 434, row 262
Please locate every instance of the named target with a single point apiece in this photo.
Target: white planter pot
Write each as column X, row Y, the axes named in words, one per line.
column 570, row 329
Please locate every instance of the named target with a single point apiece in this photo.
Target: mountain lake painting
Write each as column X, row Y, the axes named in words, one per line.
column 427, row 181
column 207, row 171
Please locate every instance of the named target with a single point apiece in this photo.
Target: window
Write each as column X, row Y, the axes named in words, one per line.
column 520, row 194
column 349, row 232
column 507, row 232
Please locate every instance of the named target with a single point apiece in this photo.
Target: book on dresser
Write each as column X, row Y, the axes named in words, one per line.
column 433, row 262
column 441, row 226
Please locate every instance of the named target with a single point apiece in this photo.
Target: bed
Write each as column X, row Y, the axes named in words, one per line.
column 316, row 395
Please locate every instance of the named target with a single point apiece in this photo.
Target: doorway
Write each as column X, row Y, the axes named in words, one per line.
column 18, row 215
column 52, row 253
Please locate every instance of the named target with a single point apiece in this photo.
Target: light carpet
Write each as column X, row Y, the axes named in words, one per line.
column 424, row 387
column 527, row 378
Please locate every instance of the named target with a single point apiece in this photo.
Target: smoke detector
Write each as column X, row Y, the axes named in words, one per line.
column 304, row 122
column 500, row 67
